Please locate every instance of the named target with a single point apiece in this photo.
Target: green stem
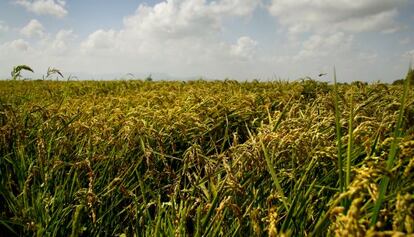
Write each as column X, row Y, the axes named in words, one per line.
column 349, row 148
column 338, row 136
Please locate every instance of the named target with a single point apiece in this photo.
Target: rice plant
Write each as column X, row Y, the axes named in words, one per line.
column 16, row 72
column 53, row 71
column 218, row 158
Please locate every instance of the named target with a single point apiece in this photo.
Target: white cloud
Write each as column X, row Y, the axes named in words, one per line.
column 172, row 19
column 179, row 37
column 15, row 46
column 57, row 50
column 382, row 21
column 60, row 43
column 183, row 18
column 45, row 7
column 20, row 45
column 33, row 28
column 333, row 24
column 244, row 48
column 174, row 36
column 324, row 45
column 341, row 15
column 100, row 40
column 235, row 7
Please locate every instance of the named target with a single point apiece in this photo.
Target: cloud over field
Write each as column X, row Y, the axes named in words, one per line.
column 174, row 35
column 342, row 15
column 322, row 45
column 15, row 45
column 33, row 28
column 44, row 7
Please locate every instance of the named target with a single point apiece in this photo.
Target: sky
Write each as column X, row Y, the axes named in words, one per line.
column 366, row 40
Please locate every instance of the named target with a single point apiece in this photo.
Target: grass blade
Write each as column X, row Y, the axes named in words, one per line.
column 349, row 147
column 274, row 176
column 338, row 135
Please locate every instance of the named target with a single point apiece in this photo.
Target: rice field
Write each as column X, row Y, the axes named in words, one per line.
column 206, row 158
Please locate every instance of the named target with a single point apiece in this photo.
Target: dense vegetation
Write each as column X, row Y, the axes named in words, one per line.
column 204, row 158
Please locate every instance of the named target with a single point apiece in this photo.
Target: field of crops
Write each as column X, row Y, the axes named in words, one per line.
column 198, row 158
